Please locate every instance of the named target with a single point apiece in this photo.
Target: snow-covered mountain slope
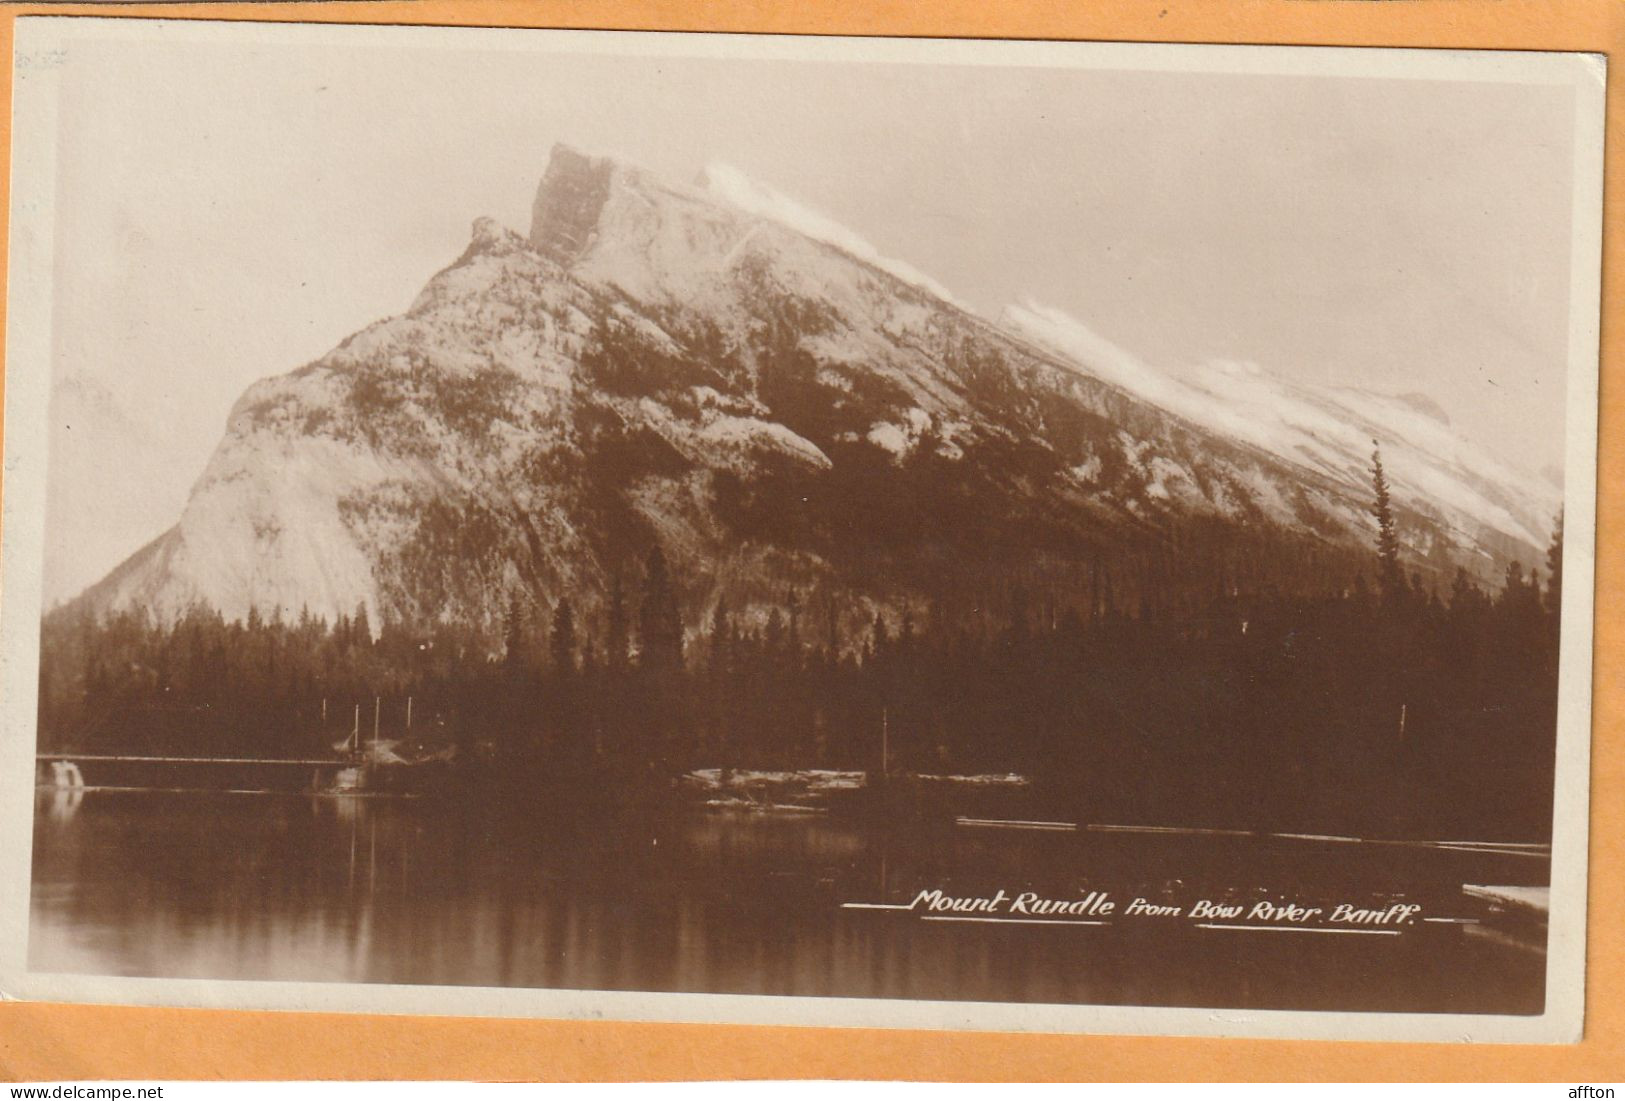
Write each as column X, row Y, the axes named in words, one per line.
column 719, row 370
column 1433, row 469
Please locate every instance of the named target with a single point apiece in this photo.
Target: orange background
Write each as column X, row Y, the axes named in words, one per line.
column 54, row 1042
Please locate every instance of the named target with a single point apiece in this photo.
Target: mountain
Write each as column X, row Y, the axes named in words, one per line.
column 717, row 369
column 1463, row 488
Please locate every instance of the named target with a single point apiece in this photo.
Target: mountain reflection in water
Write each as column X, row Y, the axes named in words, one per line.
column 420, row 891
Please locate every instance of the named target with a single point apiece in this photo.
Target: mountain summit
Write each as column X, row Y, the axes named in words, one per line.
column 789, row 415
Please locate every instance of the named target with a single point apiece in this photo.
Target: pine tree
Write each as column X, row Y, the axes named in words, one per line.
column 719, row 669
column 793, row 600
column 879, row 637
column 719, row 637
column 1554, row 569
column 513, row 634
column 1520, row 596
column 660, row 625
column 561, row 639
column 1388, row 570
column 617, row 640
column 1464, row 595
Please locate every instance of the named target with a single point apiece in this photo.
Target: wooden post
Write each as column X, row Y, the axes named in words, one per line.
column 1401, row 722
column 355, row 733
column 377, row 705
column 409, row 713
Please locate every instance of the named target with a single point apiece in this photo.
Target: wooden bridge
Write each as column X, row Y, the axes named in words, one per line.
column 78, row 770
column 193, row 760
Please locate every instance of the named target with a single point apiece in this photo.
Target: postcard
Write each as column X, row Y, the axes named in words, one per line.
column 1030, row 536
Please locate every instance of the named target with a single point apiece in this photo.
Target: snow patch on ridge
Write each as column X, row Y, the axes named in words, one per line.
column 719, row 432
column 1328, row 431
column 731, row 185
column 902, row 437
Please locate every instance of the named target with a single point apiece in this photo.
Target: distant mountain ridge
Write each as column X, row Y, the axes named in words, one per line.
column 716, row 369
column 1331, row 430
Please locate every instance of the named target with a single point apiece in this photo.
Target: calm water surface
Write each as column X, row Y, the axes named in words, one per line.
column 378, row 890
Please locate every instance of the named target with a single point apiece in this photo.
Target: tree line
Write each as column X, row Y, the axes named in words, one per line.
column 1384, row 705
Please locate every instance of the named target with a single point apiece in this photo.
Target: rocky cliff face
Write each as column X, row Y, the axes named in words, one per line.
column 715, row 369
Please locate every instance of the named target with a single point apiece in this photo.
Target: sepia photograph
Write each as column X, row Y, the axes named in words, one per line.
column 959, row 534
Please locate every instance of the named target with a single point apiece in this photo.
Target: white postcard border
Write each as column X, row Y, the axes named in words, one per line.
column 28, row 371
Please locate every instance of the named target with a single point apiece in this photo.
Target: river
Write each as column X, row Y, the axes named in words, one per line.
column 425, row 891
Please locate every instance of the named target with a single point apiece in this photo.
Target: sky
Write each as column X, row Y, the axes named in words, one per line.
column 230, row 211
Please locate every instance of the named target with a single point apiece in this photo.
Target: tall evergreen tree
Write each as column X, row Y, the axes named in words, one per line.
column 1464, row 595
column 719, row 637
column 616, row 639
column 1554, row 569
column 660, row 624
column 513, row 635
column 561, row 639
column 1388, row 570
